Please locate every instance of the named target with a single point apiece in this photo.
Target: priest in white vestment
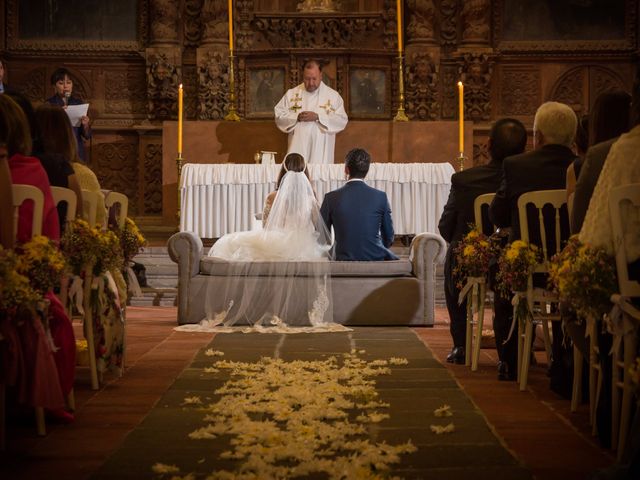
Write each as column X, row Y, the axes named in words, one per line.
column 311, row 113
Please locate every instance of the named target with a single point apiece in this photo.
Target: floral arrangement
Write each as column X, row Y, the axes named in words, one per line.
column 585, row 277
column 41, row 262
column 131, row 240
column 474, row 255
column 15, row 290
column 82, row 244
column 516, row 263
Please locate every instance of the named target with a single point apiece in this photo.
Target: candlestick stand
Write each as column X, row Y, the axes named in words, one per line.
column 179, row 162
column 400, row 115
column 232, row 116
column 461, row 158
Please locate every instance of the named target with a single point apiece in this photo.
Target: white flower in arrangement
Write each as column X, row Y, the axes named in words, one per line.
column 443, row 411
column 440, row 429
column 211, row 370
column 192, row 401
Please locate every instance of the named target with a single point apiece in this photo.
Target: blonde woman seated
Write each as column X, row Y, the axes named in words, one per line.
column 277, row 276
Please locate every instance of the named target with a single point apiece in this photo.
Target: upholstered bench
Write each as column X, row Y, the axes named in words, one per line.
column 399, row 292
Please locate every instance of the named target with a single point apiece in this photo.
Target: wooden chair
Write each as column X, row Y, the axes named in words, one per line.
column 626, row 334
column 21, row 194
column 557, row 199
column 479, row 290
column 119, row 203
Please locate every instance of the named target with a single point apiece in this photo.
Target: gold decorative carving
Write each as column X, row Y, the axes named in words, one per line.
column 213, row 86
column 420, row 26
column 153, row 179
column 122, row 89
column 164, row 21
column 117, row 168
column 162, row 87
column 475, row 21
column 520, row 90
column 476, row 73
column 244, row 32
column 317, row 31
column 315, row 6
column 422, row 87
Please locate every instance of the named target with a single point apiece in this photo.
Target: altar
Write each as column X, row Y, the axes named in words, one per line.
column 223, row 198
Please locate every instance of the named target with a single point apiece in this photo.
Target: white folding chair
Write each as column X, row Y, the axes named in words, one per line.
column 477, row 297
column 119, row 202
column 21, row 194
column 624, row 204
column 68, row 196
column 543, row 297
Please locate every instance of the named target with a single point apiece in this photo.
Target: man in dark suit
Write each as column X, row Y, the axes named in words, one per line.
column 544, row 168
column 359, row 214
column 507, row 137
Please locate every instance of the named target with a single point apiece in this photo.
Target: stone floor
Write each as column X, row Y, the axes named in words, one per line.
column 535, row 426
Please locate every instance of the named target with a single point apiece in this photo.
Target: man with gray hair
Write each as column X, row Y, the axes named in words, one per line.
column 543, row 168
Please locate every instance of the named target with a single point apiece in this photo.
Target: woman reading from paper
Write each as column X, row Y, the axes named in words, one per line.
column 63, row 97
column 292, row 250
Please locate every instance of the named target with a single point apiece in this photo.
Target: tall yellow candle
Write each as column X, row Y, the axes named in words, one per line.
column 461, row 115
column 230, row 25
column 180, row 92
column 399, row 17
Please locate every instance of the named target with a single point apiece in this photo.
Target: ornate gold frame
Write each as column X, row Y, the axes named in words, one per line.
column 567, row 46
column 74, row 47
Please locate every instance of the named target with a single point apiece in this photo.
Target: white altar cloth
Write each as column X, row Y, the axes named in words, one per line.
column 219, row 198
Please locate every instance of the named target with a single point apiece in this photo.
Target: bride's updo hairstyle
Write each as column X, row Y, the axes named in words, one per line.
column 293, row 162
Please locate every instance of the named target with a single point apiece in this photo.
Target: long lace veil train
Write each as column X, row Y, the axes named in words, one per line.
column 278, row 276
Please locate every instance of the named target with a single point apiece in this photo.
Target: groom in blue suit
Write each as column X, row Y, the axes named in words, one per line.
column 360, row 215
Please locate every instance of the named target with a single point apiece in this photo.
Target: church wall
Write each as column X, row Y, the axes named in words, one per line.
column 510, row 57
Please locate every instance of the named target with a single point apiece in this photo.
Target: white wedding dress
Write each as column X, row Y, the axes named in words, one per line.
column 293, row 251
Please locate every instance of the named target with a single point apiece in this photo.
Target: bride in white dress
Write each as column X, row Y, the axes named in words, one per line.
column 292, row 250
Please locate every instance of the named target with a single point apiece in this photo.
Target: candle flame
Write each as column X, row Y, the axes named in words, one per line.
column 459, row 84
column 180, row 85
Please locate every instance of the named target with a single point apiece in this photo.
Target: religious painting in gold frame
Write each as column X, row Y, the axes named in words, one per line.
column 265, row 88
column 368, row 92
column 565, row 25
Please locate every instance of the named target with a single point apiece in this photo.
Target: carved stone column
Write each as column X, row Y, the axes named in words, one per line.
column 213, row 83
column 476, row 72
column 163, row 60
column 475, row 20
column 420, row 17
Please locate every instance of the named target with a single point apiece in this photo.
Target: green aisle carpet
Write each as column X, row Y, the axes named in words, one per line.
column 413, row 391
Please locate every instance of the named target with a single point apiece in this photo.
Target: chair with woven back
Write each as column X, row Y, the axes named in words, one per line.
column 21, row 194
column 476, row 301
column 552, row 206
column 624, row 203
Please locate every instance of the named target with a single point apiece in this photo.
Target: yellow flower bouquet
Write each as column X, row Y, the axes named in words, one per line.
column 515, row 265
column 41, row 262
column 585, row 277
column 131, row 240
column 474, row 254
column 82, row 244
column 15, row 290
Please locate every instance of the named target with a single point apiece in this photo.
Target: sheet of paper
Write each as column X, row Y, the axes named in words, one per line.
column 76, row 112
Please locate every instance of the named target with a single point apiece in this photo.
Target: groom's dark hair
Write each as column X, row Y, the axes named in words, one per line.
column 358, row 161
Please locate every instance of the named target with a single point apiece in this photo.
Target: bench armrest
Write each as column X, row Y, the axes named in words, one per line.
column 185, row 248
column 427, row 249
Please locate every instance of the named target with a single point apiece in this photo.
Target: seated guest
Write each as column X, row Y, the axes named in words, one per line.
column 508, row 137
column 14, row 133
column 582, row 145
column 56, row 150
column 6, row 198
column 26, row 170
column 359, row 214
column 544, row 168
column 609, row 120
column 63, row 96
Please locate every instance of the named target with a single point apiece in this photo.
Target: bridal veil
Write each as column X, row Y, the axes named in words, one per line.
column 279, row 275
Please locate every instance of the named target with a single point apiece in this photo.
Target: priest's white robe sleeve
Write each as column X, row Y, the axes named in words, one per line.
column 333, row 121
column 286, row 118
